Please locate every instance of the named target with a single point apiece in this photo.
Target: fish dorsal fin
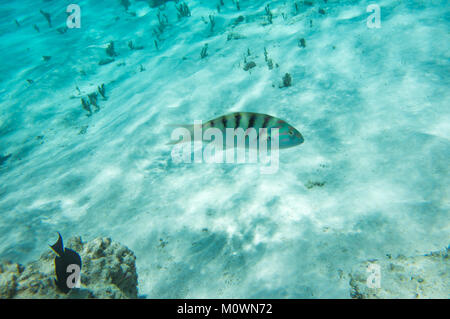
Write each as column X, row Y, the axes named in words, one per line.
column 58, row 247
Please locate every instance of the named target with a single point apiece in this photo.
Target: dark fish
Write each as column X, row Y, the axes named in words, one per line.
column 65, row 257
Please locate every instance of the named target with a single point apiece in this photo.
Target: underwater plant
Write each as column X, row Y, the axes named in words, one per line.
column 238, row 20
column 93, row 101
column 312, row 184
column 86, row 106
column 157, row 3
column 110, row 49
column 163, row 21
column 62, row 30
column 269, row 14
column 267, row 59
column 101, row 89
column 212, row 21
column 125, row 4
column 132, row 47
column 296, row 7
column 156, row 33
column 287, row 80
column 204, row 52
column 105, row 61
column 234, row 36
column 83, row 130
column 47, row 17
column 249, row 65
column 183, row 10
column 302, row 43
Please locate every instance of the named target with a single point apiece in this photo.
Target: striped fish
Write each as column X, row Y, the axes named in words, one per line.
column 288, row 135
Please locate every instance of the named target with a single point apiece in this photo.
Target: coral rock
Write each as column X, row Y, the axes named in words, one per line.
column 108, row 271
column 404, row 277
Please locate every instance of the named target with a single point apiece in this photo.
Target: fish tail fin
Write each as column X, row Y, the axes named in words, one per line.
column 189, row 127
column 58, row 247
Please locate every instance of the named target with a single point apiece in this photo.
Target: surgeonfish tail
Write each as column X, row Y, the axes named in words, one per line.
column 58, row 247
column 189, row 127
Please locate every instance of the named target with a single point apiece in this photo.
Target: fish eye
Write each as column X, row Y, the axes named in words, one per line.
column 291, row 132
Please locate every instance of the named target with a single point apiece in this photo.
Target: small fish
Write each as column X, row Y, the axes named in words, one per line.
column 65, row 257
column 288, row 135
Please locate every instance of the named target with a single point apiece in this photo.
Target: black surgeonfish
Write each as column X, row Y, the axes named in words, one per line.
column 65, row 257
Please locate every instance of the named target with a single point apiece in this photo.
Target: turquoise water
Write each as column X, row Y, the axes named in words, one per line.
column 370, row 179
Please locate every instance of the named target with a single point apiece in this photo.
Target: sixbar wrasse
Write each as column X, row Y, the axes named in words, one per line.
column 288, row 135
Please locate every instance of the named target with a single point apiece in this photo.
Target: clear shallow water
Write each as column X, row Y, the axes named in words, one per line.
column 372, row 104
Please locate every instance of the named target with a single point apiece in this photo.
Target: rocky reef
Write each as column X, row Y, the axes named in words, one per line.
column 425, row 276
column 108, row 272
